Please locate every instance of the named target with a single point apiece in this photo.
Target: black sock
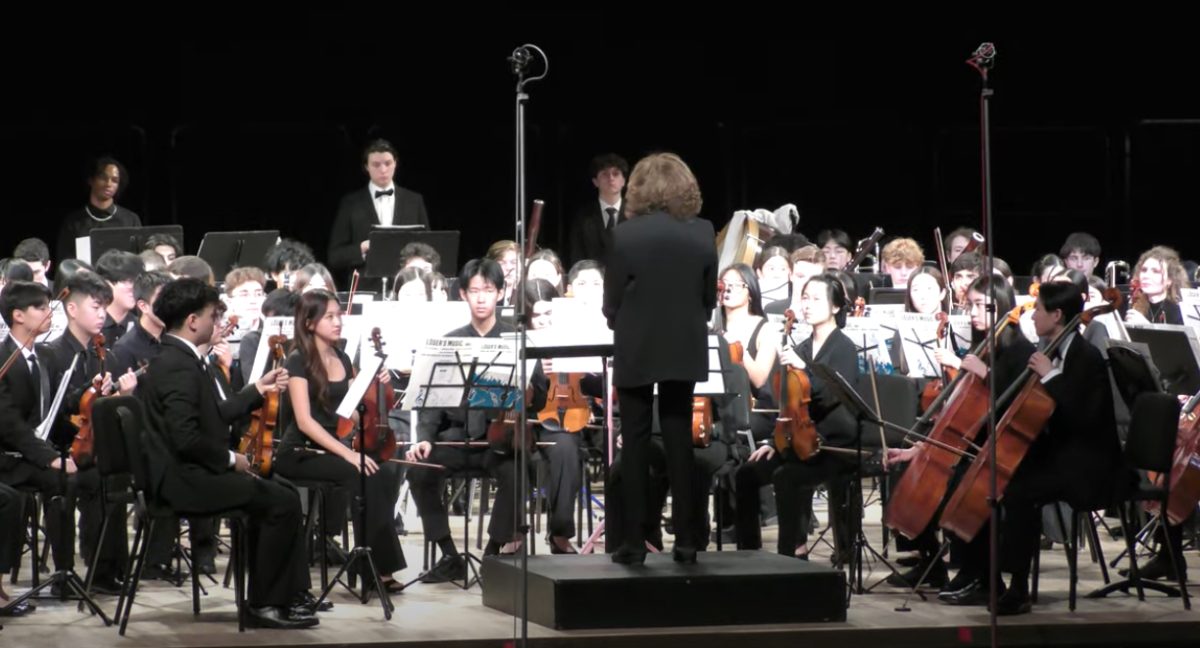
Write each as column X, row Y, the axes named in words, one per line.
column 446, row 544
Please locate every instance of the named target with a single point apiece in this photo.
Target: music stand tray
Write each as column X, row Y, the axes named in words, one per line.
column 1175, row 350
column 383, row 259
column 225, row 251
column 129, row 239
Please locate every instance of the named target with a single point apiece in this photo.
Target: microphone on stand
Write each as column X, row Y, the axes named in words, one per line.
column 984, row 57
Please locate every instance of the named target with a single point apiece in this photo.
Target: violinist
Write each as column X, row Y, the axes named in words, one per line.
column 85, row 305
column 119, row 269
column 25, row 395
column 926, row 292
column 824, row 306
column 1077, row 458
column 742, row 322
column 1010, row 356
column 564, row 472
column 1160, row 276
column 144, row 341
column 285, row 260
column 319, row 378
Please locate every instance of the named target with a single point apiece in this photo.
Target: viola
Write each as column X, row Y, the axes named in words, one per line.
column 794, row 429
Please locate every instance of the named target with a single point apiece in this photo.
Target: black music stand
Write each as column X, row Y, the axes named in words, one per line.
column 225, row 251
column 476, row 395
column 1132, row 370
column 887, row 295
column 1175, row 351
column 383, row 259
column 129, row 239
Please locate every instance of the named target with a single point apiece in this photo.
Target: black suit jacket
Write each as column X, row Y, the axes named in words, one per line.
column 20, row 413
column 659, row 288
column 835, row 424
column 588, row 238
column 61, row 352
column 1079, row 447
column 187, row 436
column 355, row 217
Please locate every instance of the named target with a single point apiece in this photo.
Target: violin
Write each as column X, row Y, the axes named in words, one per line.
column 84, row 445
column 567, row 409
column 794, row 429
column 258, row 444
column 230, row 327
column 375, row 435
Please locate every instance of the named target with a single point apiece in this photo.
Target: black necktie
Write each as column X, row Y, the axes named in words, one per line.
column 36, row 373
column 612, row 217
column 379, row 193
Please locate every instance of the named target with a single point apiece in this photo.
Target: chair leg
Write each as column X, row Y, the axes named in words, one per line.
column 1131, row 548
column 131, row 585
column 135, row 550
column 1073, row 557
column 1169, row 547
column 239, row 558
column 1097, row 550
column 90, row 575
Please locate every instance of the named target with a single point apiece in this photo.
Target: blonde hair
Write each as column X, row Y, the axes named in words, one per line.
column 903, row 251
column 808, row 254
column 663, row 182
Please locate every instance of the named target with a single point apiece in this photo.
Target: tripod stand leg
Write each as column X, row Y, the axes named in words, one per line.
column 936, row 559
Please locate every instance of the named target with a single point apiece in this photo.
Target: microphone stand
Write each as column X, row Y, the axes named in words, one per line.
column 983, row 60
column 520, row 59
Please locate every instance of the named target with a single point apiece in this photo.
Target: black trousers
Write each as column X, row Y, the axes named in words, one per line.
column 107, row 561
column 795, row 483
column 11, row 506
column 201, row 534
column 278, row 561
column 383, row 489
column 675, row 419
column 564, row 479
column 49, row 484
column 427, row 487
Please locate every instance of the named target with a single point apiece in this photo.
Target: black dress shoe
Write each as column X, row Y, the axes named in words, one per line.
column 450, row 568
column 279, row 618
column 976, row 593
column 108, row 586
column 308, row 603
column 1158, row 568
column 960, row 580
column 560, row 545
column 685, row 555
column 627, row 556
column 908, row 561
column 909, row 578
column 1013, row 602
column 13, row 610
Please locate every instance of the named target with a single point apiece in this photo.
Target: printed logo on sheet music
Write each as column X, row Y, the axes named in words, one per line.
column 490, row 393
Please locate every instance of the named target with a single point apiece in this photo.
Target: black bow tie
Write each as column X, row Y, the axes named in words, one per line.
column 379, row 193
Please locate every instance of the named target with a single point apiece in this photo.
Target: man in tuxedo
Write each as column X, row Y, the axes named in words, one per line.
column 25, row 395
column 591, row 230
column 1077, row 458
column 381, row 203
column 192, row 468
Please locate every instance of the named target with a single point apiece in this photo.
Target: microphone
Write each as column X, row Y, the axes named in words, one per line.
column 519, row 59
column 984, row 57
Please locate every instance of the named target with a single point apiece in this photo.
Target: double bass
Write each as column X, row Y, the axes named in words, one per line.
column 1030, row 407
column 794, row 429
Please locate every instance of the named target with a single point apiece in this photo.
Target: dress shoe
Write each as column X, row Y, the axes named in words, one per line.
column 909, row 578
column 627, row 556
column 107, row 585
column 13, row 610
column 449, row 569
column 1015, row 601
column 279, row 618
column 1158, row 568
column 308, row 603
column 561, row 545
column 975, row 593
column 960, row 580
column 685, row 555
column 163, row 572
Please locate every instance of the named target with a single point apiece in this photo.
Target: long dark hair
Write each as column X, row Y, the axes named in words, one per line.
column 1004, row 299
column 750, row 278
column 836, row 292
column 937, row 276
column 309, row 310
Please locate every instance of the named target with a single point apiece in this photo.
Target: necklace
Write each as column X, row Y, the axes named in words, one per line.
column 88, row 209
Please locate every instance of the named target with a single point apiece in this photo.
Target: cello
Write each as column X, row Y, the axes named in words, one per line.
column 1030, row 407
column 794, row 429
column 1185, row 468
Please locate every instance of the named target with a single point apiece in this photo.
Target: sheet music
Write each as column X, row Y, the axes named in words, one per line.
column 437, row 373
column 573, row 323
column 871, row 340
column 357, row 336
column 406, row 327
column 43, row 429
column 1189, row 306
column 358, row 386
column 270, row 327
column 715, row 385
column 83, row 248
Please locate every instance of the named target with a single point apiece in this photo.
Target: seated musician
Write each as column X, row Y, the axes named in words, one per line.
column 85, row 307
column 824, row 306
column 119, row 269
column 901, row 257
column 970, row 586
column 504, row 253
column 192, row 267
column 838, row 248
column 420, row 255
column 545, row 264
column 774, row 270
column 164, row 245
column 926, row 292
column 741, row 321
column 144, row 341
column 585, row 282
column 956, row 242
column 1081, row 251
column 564, row 471
column 807, row 261
column 1160, row 276
column 313, row 276
column 285, row 260
column 1077, row 458
column 26, row 393
column 319, row 378
column 481, row 284
column 964, row 270
column 36, row 254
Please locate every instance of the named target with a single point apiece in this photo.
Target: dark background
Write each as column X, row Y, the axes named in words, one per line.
column 258, row 123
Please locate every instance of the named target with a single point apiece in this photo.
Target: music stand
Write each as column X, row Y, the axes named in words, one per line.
column 383, row 258
column 225, row 251
column 1132, row 370
column 476, row 395
column 887, row 295
column 127, row 239
column 1175, row 350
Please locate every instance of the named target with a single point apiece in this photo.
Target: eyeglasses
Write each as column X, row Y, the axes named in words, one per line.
column 731, row 285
